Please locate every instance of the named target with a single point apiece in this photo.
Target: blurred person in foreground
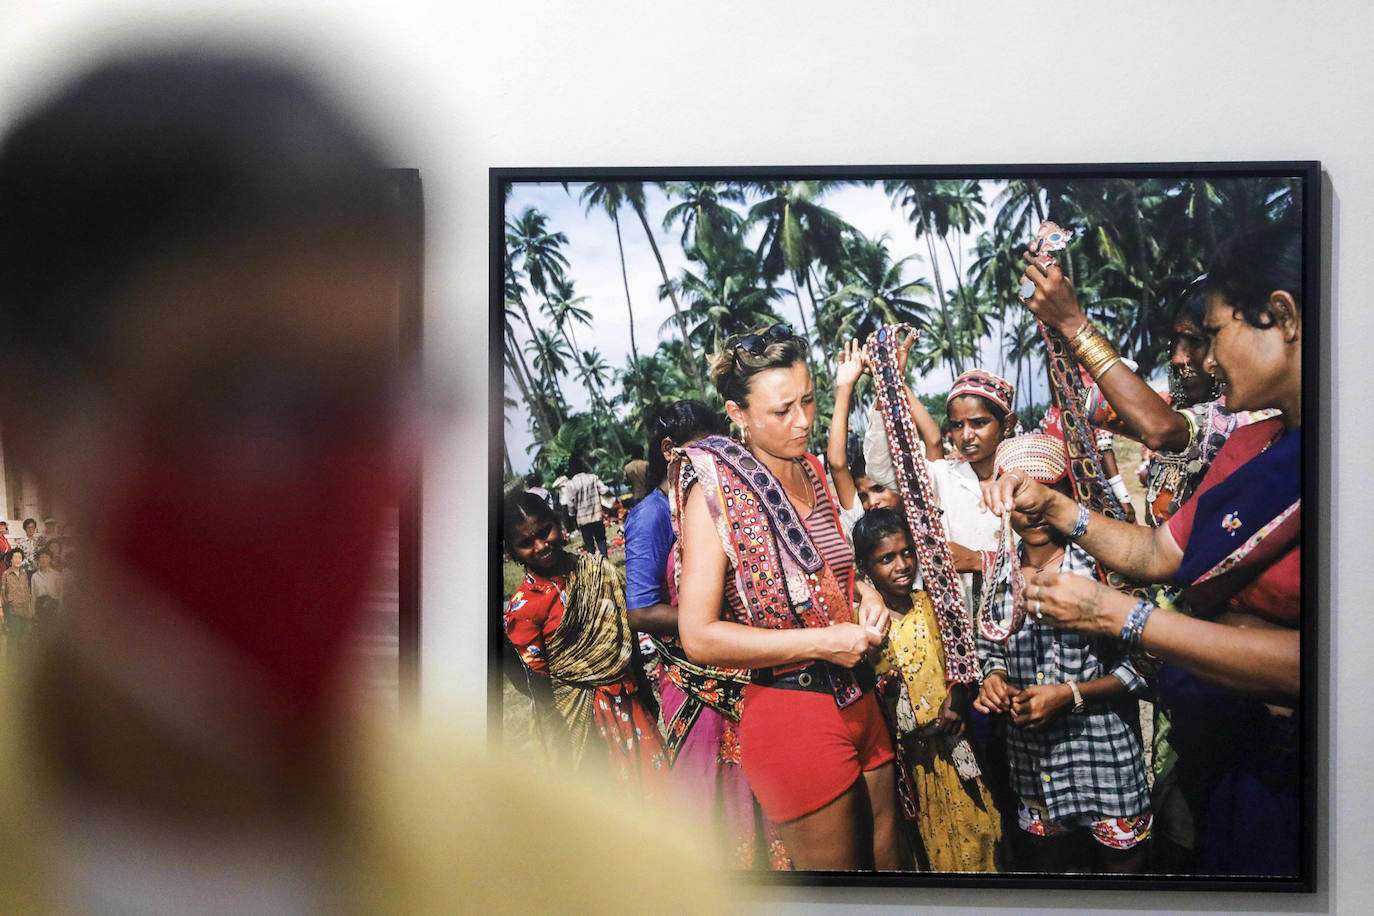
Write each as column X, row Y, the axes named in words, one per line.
column 211, row 244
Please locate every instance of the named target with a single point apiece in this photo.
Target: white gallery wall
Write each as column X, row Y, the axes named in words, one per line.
column 461, row 87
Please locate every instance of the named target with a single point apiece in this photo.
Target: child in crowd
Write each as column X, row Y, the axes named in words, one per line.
column 944, row 795
column 1076, row 759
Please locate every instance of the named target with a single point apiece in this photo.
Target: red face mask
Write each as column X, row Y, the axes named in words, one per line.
column 271, row 566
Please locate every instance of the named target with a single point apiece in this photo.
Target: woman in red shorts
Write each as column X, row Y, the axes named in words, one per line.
column 767, row 583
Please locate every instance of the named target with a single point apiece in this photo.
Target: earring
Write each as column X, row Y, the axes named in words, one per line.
column 744, row 434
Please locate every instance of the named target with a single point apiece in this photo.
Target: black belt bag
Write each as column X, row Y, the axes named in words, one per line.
column 814, row 677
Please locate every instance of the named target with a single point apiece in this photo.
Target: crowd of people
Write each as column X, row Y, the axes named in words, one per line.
column 802, row 689
column 36, row 571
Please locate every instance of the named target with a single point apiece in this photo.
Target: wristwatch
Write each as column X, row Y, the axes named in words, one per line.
column 1077, row 697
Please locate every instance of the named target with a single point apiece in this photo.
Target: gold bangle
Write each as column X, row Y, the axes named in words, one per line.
column 1087, row 337
column 1095, row 352
column 1099, row 373
column 1098, row 361
column 1087, row 323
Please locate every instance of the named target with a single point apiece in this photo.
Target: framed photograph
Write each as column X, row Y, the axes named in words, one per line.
column 737, row 403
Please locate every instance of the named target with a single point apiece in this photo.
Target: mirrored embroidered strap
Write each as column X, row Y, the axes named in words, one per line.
column 791, row 529
column 1088, row 479
column 923, row 516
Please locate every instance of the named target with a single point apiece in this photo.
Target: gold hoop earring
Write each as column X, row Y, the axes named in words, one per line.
column 744, row 434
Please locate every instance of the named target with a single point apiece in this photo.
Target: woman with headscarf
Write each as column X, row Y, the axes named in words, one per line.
column 1183, row 431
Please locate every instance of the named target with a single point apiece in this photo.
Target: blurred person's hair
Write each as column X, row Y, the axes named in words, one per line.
column 143, row 159
column 9, row 556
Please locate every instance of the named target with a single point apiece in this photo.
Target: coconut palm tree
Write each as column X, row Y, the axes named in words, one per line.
column 798, row 233
column 726, row 295
column 564, row 309
column 549, row 355
column 541, row 414
column 634, row 196
column 937, row 208
column 540, row 251
column 534, row 253
column 996, row 274
column 609, row 196
column 872, row 290
column 703, row 212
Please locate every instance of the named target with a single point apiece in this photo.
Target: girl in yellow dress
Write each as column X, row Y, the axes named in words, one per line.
column 944, row 796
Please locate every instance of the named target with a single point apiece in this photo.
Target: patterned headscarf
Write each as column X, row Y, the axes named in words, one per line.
column 1042, row 457
column 984, row 384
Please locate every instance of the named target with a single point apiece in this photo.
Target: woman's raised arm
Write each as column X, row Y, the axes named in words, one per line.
column 1144, row 414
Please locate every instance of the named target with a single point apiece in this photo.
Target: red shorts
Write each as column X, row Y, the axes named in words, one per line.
column 801, row 752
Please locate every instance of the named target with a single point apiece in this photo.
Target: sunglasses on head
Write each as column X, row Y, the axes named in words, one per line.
column 757, row 343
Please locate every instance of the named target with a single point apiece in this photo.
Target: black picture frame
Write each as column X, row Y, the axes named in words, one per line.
column 1307, row 175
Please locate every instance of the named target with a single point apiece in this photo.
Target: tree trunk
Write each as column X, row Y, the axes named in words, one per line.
column 1204, row 209
column 816, row 313
column 539, row 408
column 944, row 306
column 961, row 292
column 693, row 370
column 599, row 405
column 1146, row 274
column 801, row 313
column 625, row 278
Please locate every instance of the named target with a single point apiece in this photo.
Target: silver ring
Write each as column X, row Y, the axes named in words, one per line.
column 1027, row 290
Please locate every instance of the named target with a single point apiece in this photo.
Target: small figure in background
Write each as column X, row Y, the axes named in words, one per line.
column 17, row 600
column 583, row 499
column 46, row 584
column 29, row 544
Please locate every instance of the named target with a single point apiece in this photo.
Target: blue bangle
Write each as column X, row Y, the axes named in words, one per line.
column 1134, row 627
column 1081, row 527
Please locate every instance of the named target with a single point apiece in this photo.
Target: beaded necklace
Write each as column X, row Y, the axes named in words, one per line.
column 1005, row 574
